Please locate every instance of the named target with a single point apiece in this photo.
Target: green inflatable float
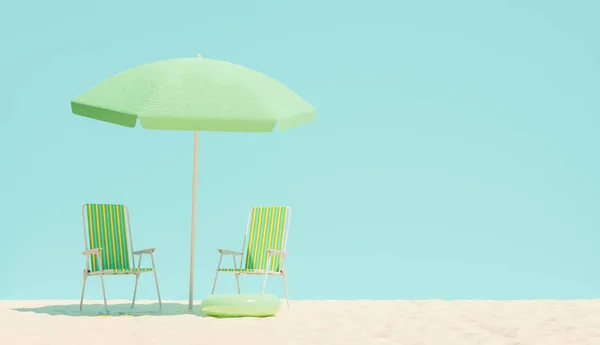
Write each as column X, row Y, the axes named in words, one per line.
column 240, row 305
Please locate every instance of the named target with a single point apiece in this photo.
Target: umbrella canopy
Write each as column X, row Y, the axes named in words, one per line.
column 196, row 95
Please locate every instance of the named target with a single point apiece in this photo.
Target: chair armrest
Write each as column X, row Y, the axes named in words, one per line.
column 229, row 252
column 276, row 252
column 144, row 251
column 92, row 251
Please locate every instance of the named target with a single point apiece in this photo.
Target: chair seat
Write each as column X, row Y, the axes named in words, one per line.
column 247, row 270
column 123, row 271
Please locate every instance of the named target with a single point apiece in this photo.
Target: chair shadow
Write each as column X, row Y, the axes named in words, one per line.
column 168, row 309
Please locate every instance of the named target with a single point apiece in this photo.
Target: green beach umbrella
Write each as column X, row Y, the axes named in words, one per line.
column 194, row 94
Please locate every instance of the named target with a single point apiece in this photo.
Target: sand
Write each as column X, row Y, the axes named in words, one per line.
column 310, row 322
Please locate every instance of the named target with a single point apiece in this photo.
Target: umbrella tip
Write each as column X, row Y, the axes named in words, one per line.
column 199, row 56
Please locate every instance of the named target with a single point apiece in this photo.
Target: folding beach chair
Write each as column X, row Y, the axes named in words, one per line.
column 110, row 250
column 264, row 246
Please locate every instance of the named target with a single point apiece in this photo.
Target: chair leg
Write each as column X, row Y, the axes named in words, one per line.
column 266, row 273
column 137, row 277
column 103, row 292
column 215, row 283
column 287, row 297
column 217, row 274
column 156, row 281
column 83, row 289
column 237, row 280
column 265, row 282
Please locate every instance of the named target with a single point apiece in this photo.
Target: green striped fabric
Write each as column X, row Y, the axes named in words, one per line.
column 243, row 270
column 132, row 270
column 107, row 229
column 267, row 230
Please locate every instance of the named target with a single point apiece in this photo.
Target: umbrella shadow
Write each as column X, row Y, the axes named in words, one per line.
column 168, row 309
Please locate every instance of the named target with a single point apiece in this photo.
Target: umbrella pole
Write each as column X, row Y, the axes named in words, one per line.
column 193, row 241
column 193, row 245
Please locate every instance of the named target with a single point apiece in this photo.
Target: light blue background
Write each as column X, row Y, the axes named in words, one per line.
column 455, row 153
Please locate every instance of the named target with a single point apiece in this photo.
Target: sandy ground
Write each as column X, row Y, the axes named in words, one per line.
column 309, row 322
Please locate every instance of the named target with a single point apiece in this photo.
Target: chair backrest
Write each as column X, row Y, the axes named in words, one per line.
column 267, row 229
column 107, row 226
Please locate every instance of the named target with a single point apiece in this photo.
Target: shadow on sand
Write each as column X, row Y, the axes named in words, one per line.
column 168, row 309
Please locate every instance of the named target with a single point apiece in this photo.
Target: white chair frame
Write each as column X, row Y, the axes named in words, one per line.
column 102, row 272
column 270, row 254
